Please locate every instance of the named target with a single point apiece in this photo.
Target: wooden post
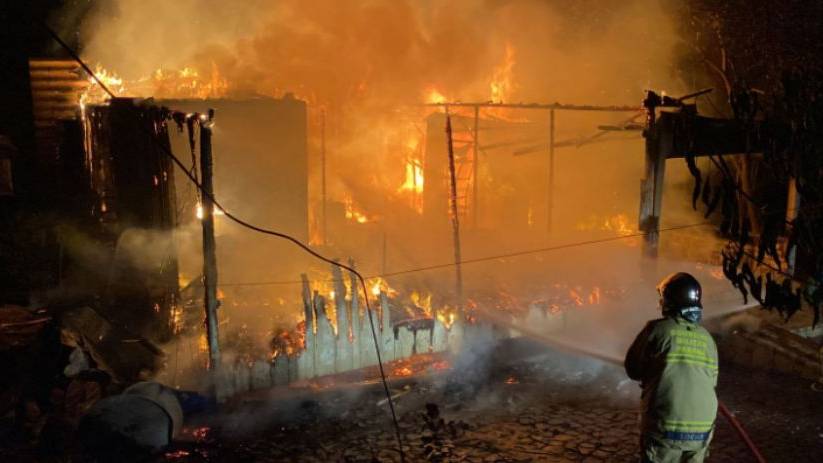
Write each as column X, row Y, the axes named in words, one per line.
column 209, row 245
column 550, row 186
column 455, row 219
column 651, row 187
column 323, row 209
column 476, row 167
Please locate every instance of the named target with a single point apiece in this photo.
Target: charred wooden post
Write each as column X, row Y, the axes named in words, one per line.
column 209, row 245
column 455, row 217
column 343, row 362
column 326, row 348
column 651, row 186
column 550, row 186
column 306, row 359
column 388, row 347
column 356, row 321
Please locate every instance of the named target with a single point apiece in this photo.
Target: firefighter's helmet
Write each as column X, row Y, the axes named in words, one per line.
column 681, row 293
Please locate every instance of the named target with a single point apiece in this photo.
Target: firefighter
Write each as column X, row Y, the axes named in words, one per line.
column 675, row 360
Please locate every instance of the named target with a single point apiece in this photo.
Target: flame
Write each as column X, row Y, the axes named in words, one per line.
column 501, row 84
column 422, row 302
column 199, row 211
column 176, row 319
column 378, row 285
column 594, row 296
column 94, row 93
column 578, row 301
column 183, row 83
column 434, row 96
column 447, row 317
column 512, row 380
column 414, row 177
column 288, row 342
column 618, row 223
column 352, row 212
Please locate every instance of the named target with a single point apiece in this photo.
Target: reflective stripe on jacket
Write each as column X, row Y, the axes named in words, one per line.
column 676, row 363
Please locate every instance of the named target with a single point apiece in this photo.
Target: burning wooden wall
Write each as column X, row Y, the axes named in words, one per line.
column 133, row 180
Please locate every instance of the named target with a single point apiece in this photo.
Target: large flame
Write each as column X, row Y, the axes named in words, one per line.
column 502, row 81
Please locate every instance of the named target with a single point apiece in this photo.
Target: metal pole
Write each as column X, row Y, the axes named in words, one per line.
column 209, row 245
column 550, row 192
column 476, row 168
column 455, row 219
column 324, row 221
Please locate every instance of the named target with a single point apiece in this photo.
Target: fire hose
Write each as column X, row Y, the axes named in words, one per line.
column 610, row 358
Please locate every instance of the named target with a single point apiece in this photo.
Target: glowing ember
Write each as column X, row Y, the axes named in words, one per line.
column 199, row 433
column 402, row 371
column 512, row 380
column 441, row 365
column 177, row 454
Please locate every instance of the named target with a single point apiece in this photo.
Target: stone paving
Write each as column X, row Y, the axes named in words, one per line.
column 509, row 423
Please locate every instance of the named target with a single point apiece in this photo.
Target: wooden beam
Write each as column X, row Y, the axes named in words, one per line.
column 557, row 106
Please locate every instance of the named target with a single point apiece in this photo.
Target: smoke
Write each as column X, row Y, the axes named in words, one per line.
column 364, row 67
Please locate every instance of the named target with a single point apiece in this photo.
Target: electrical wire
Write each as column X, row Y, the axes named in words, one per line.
column 482, row 259
column 258, row 229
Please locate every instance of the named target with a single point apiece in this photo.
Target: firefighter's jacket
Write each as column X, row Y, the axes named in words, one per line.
column 676, row 362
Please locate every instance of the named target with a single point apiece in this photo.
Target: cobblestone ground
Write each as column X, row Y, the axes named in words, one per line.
column 515, row 418
column 547, row 410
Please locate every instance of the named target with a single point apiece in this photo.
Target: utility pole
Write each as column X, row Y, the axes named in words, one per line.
column 209, row 245
column 550, row 192
column 476, row 167
column 455, row 219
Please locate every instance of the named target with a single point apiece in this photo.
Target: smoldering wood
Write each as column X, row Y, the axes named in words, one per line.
column 398, row 339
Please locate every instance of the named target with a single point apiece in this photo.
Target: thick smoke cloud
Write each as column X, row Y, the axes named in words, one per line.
column 368, row 64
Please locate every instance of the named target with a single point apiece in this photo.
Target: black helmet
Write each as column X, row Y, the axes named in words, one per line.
column 681, row 293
